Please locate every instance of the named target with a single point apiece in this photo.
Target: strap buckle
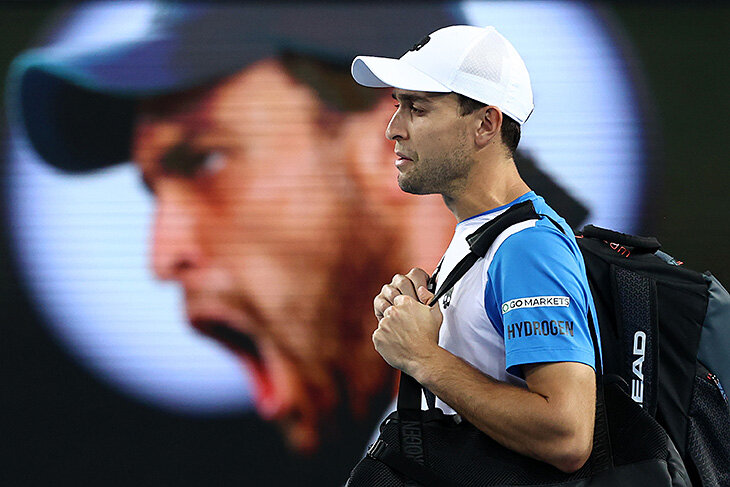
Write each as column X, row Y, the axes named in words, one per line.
column 376, row 449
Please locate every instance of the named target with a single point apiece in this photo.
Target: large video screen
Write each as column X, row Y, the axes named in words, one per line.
column 202, row 204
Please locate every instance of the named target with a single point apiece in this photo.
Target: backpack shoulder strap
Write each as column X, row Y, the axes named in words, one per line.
column 409, row 390
column 482, row 239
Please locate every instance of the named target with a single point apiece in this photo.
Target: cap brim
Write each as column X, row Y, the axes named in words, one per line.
column 381, row 72
column 69, row 126
column 77, row 106
column 69, row 105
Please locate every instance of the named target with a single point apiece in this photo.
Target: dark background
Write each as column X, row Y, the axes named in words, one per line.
column 59, row 424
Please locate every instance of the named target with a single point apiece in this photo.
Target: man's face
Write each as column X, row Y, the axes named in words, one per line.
column 434, row 151
column 255, row 218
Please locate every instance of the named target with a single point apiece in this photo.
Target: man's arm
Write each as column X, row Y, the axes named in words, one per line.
column 551, row 420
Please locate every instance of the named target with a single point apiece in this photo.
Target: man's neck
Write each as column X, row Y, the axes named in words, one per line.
column 490, row 185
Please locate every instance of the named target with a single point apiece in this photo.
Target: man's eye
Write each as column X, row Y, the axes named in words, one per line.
column 212, row 162
column 416, row 110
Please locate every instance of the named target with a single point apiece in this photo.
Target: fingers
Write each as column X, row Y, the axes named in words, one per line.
column 384, row 300
column 424, row 295
column 419, row 278
column 380, row 305
column 389, row 292
column 384, row 307
column 404, row 285
column 400, row 285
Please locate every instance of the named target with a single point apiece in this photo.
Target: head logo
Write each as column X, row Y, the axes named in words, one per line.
column 447, row 298
column 420, row 44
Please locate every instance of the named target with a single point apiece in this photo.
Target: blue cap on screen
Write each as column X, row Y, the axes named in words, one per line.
column 76, row 105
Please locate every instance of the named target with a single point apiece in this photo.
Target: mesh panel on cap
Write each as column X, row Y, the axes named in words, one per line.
column 485, row 58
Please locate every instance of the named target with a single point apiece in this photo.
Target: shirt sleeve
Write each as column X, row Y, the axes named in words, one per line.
column 537, row 298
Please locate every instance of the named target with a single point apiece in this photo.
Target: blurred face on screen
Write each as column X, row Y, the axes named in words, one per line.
column 259, row 220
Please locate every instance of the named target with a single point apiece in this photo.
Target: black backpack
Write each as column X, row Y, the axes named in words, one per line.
column 665, row 330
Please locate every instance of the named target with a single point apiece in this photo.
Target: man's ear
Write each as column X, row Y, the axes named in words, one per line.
column 488, row 125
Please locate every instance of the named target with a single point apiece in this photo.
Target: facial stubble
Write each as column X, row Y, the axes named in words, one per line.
column 446, row 173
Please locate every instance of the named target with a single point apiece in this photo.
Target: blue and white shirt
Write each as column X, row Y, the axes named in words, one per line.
column 525, row 302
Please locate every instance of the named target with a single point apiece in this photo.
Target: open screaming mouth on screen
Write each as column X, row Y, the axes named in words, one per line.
column 244, row 346
column 282, row 389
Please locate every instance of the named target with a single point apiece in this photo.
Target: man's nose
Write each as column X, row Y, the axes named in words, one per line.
column 396, row 129
column 176, row 247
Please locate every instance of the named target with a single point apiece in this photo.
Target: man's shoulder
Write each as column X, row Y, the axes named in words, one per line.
column 542, row 237
column 548, row 232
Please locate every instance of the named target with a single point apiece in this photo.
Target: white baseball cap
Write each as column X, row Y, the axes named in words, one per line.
column 477, row 62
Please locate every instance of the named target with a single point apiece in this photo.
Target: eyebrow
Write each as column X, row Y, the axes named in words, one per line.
column 181, row 159
column 417, row 98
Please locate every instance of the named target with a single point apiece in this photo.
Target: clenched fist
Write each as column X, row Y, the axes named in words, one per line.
column 408, row 328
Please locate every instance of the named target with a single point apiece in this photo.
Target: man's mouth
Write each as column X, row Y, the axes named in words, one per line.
column 224, row 333
column 244, row 347
column 276, row 385
column 402, row 159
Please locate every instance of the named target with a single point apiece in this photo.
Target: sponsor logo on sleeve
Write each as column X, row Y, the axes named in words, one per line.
column 539, row 328
column 536, row 302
